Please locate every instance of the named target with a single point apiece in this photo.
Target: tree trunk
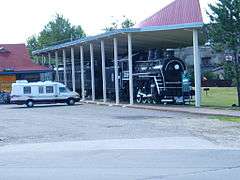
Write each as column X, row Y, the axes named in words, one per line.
column 237, row 70
column 238, row 91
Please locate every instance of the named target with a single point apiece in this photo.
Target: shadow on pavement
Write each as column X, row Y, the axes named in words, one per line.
column 42, row 106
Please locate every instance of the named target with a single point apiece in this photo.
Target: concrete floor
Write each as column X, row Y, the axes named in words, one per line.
column 100, row 142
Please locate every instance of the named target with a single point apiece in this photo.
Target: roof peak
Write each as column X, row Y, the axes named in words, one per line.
column 176, row 13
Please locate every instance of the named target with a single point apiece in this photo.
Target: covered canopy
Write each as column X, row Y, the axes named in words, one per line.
column 175, row 26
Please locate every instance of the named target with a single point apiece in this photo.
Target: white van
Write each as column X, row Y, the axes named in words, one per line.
column 42, row 93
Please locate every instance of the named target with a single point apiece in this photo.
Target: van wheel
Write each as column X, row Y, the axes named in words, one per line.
column 30, row 103
column 70, row 102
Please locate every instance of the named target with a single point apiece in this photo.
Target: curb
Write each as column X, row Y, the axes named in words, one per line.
column 168, row 109
column 197, row 111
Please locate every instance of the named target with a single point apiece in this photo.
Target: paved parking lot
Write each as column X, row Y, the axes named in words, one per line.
column 56, row 123
column 100, row 142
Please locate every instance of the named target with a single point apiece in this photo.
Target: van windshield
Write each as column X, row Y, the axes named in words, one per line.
column 63, row 90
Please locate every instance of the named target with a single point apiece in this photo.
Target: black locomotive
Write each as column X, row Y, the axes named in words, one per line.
column 158, row 76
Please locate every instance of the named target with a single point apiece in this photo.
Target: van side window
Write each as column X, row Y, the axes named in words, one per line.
column 49, row 89
column 62, row 89
column 41, row 90
column 27, row 90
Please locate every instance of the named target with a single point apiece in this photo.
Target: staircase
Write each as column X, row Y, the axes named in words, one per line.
column 159, row 83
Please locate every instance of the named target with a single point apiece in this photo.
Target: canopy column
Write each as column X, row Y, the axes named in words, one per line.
column 56, row 66
column 197, row 69
column 37, row 58
column 42, row 63
column 64, row 67
column 82, row 72
column 116, row 69
column 92, row 71
column 73, row 70
column 130, row 68
column 45, row 60
column 49, row 59
column 103, row 71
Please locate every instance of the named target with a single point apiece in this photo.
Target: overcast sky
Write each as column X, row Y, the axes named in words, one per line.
column 23, row 18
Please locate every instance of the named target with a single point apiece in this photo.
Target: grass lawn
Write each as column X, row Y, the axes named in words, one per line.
column 225, row 118
column 220, row 97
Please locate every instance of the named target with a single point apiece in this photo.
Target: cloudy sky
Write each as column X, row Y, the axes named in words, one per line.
column 23, row 18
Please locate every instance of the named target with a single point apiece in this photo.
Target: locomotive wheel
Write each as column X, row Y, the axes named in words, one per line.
column 139, row 99
column 149, row 100
column 145, row 100
column 154, row 101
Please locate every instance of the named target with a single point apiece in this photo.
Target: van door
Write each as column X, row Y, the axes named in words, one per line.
column 63, row 93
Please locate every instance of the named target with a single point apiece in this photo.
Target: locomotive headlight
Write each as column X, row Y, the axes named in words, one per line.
column 176, row 67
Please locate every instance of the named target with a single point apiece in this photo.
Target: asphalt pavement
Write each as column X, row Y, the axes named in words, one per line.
column 100, row 142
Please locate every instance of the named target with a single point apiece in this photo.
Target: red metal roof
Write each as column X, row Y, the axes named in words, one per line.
column 177, row 13
column 16, row 57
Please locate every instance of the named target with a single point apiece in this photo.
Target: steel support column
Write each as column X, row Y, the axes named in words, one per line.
column 73, row 70
column 130, row 68
column 82, row 72
column 197, row 69
column 56, row 66
column 42, row 63
column 92, row 71
column 116, row 69
column 49, row 59
column 45, row 61
column 103, row 72
column 64, row 67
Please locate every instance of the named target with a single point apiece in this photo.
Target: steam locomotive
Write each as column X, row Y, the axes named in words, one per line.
column 158, row 76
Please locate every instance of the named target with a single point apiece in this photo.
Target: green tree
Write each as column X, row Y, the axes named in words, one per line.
column 229, row 70
column 127, row 23
column 120, row 24
column 224, row 32
column 57, row 30
column 32, row 44
column 111, row 27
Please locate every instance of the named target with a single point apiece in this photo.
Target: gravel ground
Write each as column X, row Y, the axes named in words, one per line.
column 56, row 123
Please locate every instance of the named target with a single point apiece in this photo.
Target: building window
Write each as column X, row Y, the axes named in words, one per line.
column 49, row 89
column 27, row 90
column 41, row 90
